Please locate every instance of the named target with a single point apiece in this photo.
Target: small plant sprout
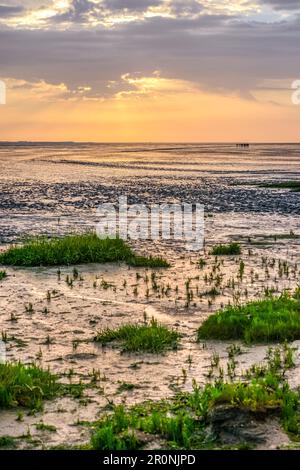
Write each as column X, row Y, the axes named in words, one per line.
column 201, row 263
column 39, row 355
column 48, row 340
column 95, row 376
column 3, row 275
column 233, row 350
column 20, row 416
column 4, row 336
column 29, row 308
column 75, row 273
column 241, row 269
column 13, row 317
column 215, row 359
column 189, row 360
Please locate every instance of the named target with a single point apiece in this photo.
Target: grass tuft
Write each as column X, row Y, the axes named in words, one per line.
column 271, row 319
column 7, row 441
column 3, row 275
column 151, row 337
column 292, row 185
column 75, row 249
column 26, row 386
column 151, row 262
column 45, row 427
column 230, row 249
column 126, row 387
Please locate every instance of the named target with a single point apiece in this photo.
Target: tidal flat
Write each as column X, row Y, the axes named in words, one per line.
column 50, row 316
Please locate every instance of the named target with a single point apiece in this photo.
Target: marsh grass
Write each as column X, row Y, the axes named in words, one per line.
column 75, row 249
column 7, row 441
column 271, row 319
column 45, row 427
column 3, row 275
column 29, row 385
column 182, row 421
column 213, row 292
column 292, row 185
column 26, row 386
column 150, row 337
column 223, row 250
column 126, row 387
column 151, row 262
column 297, row 293
column 285, row 236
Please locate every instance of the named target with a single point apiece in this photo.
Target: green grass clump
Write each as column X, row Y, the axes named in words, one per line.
column 292, row 185
column 230, row 249
column 213, row 292
column 75, row 249
column 182, row 422
column 151, row 262
column 270, row 319
column 297, row 293
column 26, row 386
column 7, row 441
column 126, row 387
column 114, row 433
column 45, row 427
column 151, row 337
column 3, row 275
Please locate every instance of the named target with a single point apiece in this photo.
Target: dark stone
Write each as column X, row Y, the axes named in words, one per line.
column 232, row 425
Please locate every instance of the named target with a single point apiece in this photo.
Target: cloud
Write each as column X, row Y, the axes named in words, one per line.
column 283, row 5
column 23, row 91
column 78, row 11
column 153, row 86
column 208, row 50
column 53, row 14
column 92, row 13
column 136, row 5
column 187, row 8
column 217, row 52
column 40, row 92
column 6, row 10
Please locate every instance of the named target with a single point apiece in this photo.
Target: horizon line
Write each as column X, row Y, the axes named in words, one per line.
column 146, row 142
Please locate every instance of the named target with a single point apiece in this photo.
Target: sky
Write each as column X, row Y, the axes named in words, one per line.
column 150, row 70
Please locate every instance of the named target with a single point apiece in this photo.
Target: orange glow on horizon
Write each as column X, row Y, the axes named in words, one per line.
column 155, row 109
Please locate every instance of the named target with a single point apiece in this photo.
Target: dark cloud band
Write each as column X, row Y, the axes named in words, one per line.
column 212, row 52
column 7, row 11
column 283, row 5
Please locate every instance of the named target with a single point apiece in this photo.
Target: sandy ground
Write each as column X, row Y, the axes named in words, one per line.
column 60, row 337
